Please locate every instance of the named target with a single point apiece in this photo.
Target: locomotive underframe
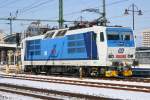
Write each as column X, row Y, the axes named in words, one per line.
column 87, row 71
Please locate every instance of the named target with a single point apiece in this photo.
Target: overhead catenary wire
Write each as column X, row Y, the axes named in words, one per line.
column 37, row 9
column 116, row 2
column 8, row 3
column 28, row 6
column 36, row 3
column 35, row 6
column 44, row 20
column 24, row 8
column 108, row 4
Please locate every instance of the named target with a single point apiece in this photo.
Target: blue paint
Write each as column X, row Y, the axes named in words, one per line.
column 71, row 47
column 121, row 29
column 91, row 44
column 120, row 43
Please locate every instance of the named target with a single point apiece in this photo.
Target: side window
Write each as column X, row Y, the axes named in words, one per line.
column 61, row 33
column 49, row 35
column 94, row 37
column 101, row 37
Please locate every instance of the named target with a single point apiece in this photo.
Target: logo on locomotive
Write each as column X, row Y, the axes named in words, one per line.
column 121, row 50
column 53, row 51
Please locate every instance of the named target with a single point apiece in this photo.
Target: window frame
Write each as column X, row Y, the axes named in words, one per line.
column 50, row 34
column 61, row 33
column 102, row 39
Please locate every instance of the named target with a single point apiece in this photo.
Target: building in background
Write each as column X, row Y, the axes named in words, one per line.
column 143, row 55
column 7, row 45
column 143, row 52
column 146, row 38
column 10, row 39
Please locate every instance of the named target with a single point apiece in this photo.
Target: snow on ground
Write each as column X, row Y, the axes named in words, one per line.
column 102, row 92
column 10, row 96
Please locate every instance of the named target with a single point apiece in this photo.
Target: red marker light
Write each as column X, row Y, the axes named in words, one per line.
column 120, row 56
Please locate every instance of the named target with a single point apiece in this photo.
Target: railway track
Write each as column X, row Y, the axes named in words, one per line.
column 135, row 88
column 45, row 94
column 130, row 79
column 23, row 91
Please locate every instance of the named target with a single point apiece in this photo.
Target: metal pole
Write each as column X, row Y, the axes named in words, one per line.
column 133, row 9
column 104, row 13
column 104, row 9
column 91, row 44
column 133, row 14
column 10, row 19
column 17, row 60
column 8, row 62
column 61, row 20
column 14, row 57
column 10, row 26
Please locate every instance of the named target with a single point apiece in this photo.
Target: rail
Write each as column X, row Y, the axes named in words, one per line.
column 135, row 88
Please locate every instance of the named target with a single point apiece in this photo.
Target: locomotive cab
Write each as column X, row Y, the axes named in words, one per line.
column 121, row 49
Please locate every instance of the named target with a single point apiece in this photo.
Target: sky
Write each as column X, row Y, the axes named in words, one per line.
column 48, row 9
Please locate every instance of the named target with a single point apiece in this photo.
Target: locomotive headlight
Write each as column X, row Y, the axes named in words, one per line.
column 130, row 56
column 110, row 56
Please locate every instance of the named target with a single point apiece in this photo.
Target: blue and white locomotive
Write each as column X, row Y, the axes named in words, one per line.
column 98, row 50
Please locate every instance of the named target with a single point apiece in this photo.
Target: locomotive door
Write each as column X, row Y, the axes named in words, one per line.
column 102, row 48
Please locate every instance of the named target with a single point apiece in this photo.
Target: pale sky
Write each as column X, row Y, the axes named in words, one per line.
column 48, row 9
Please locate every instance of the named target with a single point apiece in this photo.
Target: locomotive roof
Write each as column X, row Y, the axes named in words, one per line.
column 66, row 31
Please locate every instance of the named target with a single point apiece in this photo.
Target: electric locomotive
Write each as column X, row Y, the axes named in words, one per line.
column 98, row 50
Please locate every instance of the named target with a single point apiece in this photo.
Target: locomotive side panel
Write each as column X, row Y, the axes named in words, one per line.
column 71, row 48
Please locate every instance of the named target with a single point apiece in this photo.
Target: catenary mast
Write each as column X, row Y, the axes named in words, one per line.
column 61, row 19
column 103, row 20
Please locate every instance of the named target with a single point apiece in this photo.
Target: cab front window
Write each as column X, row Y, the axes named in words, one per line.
column 127, row 37
column 118, row 36
column 113, row 37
